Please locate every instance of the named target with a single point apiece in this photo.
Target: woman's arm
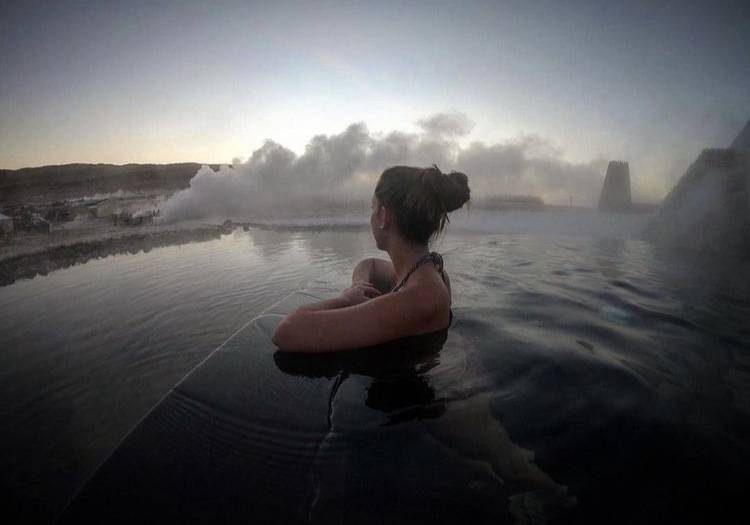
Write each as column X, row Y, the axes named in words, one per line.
column 357, row 293
column 412, row 311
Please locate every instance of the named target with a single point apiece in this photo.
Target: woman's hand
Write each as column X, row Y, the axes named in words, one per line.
column 359, row 292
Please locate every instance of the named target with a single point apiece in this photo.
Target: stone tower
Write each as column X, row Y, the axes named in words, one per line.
column 616, row 191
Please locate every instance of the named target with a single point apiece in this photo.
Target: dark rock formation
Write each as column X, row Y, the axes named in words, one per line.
column 616, row 191
column 709, row 208
column 742, row 142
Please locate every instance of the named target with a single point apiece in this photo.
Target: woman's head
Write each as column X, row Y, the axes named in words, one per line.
column 421, row 199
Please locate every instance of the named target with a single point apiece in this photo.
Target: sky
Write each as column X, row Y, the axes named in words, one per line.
column 532, row 97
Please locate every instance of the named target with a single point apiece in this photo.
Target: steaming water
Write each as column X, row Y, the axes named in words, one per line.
column 625, row 369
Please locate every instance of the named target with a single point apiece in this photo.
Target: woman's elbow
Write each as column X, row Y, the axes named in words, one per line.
column 288, row 334
column 282, row 335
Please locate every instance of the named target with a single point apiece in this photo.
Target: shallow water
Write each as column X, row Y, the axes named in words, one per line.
column 625, row 369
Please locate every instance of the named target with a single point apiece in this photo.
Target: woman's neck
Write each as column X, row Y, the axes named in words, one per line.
column 403, row 254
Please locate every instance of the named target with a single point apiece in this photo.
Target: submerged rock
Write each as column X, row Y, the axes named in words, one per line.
column 709, row 208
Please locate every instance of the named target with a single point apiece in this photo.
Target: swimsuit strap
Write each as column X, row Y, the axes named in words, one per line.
column 433, row 257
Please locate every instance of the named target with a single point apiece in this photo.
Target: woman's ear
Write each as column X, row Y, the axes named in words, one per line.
column 386, row 217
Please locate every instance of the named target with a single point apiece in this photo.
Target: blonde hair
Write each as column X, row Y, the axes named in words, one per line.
column 421, row 199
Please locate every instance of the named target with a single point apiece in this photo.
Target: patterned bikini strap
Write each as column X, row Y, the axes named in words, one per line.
column 431, row 257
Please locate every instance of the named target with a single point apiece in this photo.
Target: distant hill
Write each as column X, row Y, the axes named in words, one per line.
column 51, row 183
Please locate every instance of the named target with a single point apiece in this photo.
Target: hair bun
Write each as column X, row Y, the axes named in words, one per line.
column 455, row 190
column 421, row 199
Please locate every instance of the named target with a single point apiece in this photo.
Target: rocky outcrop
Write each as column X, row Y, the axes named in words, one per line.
column 742, row 142
column 709, row 208
column 615, row 194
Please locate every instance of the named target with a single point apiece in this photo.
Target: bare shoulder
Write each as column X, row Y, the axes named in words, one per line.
column 429, row 293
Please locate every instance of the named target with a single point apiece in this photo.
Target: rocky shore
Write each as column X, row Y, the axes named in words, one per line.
column 26, row 256
column 74, row 239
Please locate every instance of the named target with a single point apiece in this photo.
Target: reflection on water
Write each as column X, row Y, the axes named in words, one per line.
column 66, row 255
column 399, row 387
column 434, row 393
column 648, row 400
column 608, row 367
column 86, row 351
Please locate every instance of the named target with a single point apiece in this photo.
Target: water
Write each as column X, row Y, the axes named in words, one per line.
column 625, row 369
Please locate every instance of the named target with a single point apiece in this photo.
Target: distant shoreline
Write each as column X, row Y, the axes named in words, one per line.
column 91, row 231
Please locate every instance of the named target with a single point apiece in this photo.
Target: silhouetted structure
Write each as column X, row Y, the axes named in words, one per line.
column 616, row 191
column 709, row 208
column 742, row 141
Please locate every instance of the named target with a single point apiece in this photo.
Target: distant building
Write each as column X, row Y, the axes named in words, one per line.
column 511, row 202
column 615, row 194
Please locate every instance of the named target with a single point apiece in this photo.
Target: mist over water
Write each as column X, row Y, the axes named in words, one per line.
column 344, row 168
column 582, row 224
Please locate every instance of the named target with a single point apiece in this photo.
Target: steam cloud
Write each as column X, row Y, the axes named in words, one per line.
column 345, row 167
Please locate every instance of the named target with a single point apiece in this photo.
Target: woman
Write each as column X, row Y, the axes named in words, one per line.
column 408, row 295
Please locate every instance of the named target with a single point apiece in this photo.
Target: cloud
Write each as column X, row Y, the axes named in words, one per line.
column 345, row 167
column 447, row 124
